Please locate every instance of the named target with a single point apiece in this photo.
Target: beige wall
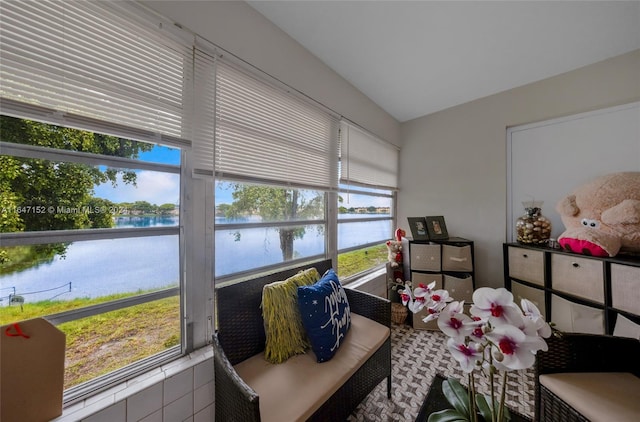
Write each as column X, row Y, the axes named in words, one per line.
column 241, row 30
column 453, row 163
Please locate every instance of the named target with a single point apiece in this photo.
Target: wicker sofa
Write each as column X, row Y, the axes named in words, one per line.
column 240, row 338
column 588, row 377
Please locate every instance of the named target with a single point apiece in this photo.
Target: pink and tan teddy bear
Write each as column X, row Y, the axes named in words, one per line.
column 602, row 217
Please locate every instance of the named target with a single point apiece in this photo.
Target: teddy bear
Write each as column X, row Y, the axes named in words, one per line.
column 602, row 217
column 394, row 254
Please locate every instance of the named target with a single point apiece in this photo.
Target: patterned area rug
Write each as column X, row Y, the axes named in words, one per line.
column 417, row 356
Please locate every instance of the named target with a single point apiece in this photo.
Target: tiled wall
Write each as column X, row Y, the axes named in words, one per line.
column 179, row 391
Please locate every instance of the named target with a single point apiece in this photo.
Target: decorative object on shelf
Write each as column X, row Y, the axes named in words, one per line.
column 394, row 255
column 498, row 336
column 533, row 227
column 418, row 226
column 602, row 217
column 436, row 228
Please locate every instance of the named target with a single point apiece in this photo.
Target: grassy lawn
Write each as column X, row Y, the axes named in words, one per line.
column 351, row 263
column 99, row 344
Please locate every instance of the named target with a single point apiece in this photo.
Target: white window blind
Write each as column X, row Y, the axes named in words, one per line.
column 264, row 133
column 366, row 159
column 97, row 60
column 204, row 112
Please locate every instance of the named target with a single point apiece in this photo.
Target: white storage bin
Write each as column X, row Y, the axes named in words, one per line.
column 456, row 258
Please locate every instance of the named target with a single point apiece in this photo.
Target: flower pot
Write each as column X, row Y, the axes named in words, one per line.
column 399, row 313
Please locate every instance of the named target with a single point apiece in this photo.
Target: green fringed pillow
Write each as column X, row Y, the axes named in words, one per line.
column 282, row 322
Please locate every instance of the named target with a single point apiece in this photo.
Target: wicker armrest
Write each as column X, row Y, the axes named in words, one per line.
column 235, row 400
column 370, row 306
column 577, row 352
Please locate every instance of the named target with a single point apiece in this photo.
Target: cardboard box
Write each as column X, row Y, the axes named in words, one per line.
column 31, row 371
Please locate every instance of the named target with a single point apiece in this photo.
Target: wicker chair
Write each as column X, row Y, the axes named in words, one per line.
column 241, row 335
column 575, row 352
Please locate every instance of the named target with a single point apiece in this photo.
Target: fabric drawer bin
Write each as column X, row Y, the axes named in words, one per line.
column 459, row 288
column 425, row 257
column 625, row 288
column 576, row 318
column 418, row 324
column 456, row 258
column 536, row 296
column 578, row 276
column 426, row 279
column 526, row 265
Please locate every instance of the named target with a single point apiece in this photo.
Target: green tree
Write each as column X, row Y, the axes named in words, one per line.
column 166, row 209
column 39, row 194
column 276, row 204
column 144, row 207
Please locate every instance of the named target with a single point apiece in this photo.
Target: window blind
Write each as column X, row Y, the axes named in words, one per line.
column 204, row 112
column 264, row 133
column 366, row 159
column 96, row 60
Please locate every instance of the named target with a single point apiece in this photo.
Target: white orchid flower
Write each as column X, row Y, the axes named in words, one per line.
column 452, row 321
column 468, row 355
column 531, row 312
column 405, row 294
column 440, row 298
column 496, row 305
column 424, row 290
column 515, row 349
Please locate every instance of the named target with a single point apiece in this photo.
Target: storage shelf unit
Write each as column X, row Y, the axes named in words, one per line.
column 450, row 263
column 578, row 293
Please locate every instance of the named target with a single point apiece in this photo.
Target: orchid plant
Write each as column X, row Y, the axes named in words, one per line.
column 497, row 336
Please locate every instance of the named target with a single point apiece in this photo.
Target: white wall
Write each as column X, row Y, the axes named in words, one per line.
column 238, row 28
column 453, row 163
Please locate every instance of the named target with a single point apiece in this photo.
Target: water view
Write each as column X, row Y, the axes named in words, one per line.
column 102, row 267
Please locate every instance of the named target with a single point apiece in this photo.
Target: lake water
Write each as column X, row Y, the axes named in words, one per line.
column 101, row 267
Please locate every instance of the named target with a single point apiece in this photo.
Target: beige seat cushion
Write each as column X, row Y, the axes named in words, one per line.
column 294, row 390
column 599, row 396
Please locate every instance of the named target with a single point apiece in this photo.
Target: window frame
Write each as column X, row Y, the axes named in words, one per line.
column 24, row 238
column 392, row 218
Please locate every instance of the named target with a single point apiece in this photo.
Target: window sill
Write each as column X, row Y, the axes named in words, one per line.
column 180, row 368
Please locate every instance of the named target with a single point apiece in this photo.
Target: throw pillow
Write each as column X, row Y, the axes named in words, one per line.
column 326, row 315
column 285, row 335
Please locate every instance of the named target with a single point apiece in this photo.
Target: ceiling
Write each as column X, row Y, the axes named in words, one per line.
column 413, row 58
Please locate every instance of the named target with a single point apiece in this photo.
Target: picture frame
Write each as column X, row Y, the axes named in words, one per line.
column 418, row 227
column 436, row 228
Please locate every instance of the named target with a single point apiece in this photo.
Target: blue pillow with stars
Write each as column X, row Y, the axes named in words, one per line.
column 326, row 316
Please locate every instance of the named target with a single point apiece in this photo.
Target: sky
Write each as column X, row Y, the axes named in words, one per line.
column 164, row 188
column 154, row 187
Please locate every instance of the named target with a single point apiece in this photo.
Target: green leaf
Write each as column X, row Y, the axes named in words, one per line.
column 483, row 407
column 448, row 415
column 456, row 395
column 485, row 410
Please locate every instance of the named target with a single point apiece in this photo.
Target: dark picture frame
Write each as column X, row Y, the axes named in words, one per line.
column 418, row 227
column 436, row 228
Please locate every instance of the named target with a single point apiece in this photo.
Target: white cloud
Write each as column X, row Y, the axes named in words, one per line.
column 154, row 187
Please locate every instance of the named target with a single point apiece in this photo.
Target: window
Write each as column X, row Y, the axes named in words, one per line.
column 258, row 226
column 366, row 201
column 96, row 131
column 91, row 242
column 365, row 222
